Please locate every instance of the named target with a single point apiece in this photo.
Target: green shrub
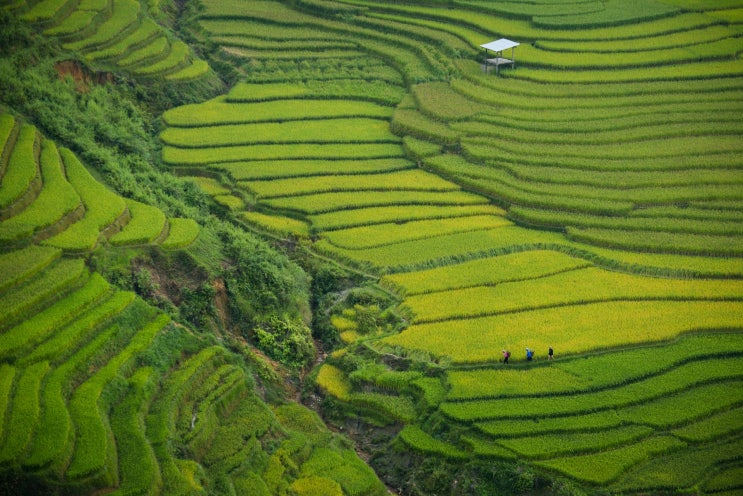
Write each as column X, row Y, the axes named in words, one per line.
column 288, row 342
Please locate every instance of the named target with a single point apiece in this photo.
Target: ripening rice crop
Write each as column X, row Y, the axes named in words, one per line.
column 146, row 30
column 602, row 370
column 412, row 180
column 181, row 233
column 18, row 265
column 566, row 288
column 154, row 48
column 21, row 169
column 219, row 112
column 485, row 272
column 194, row 69
column 326, row 151
column 278, row 224
column 56, row 200
column 448, row 248
column 146, row 224
column 124, row 14
column 298, row 168
column 606, row 466
column 338, row 130
column 330, row 202
column 646, row 396
column 176, row 58
column 573, row 329
column 360, row 238
column 102, row 208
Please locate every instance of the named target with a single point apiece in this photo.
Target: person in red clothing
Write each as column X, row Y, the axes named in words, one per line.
column 506, row 356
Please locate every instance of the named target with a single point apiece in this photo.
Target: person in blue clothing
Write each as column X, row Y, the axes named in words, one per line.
column 529, row 354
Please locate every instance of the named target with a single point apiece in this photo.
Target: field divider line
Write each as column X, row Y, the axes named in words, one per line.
column 502, row 281
column 585, row 254
column 458, row 317
column 407, row 240
column 586, row 410
column 609, row 386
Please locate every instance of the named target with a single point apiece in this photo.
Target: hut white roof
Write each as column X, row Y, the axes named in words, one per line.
column 500, row 45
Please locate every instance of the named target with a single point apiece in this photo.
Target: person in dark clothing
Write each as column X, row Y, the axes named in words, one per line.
column 550, row 353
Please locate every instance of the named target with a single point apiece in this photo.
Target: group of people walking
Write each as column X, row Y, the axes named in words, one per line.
column 529, row 355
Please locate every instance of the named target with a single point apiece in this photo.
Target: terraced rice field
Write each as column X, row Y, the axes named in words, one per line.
column 115, row 35
column 587, row 199
column 97, row 386
column 52, row 200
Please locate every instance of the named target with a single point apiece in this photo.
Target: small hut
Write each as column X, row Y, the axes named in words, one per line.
column 497, row 47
